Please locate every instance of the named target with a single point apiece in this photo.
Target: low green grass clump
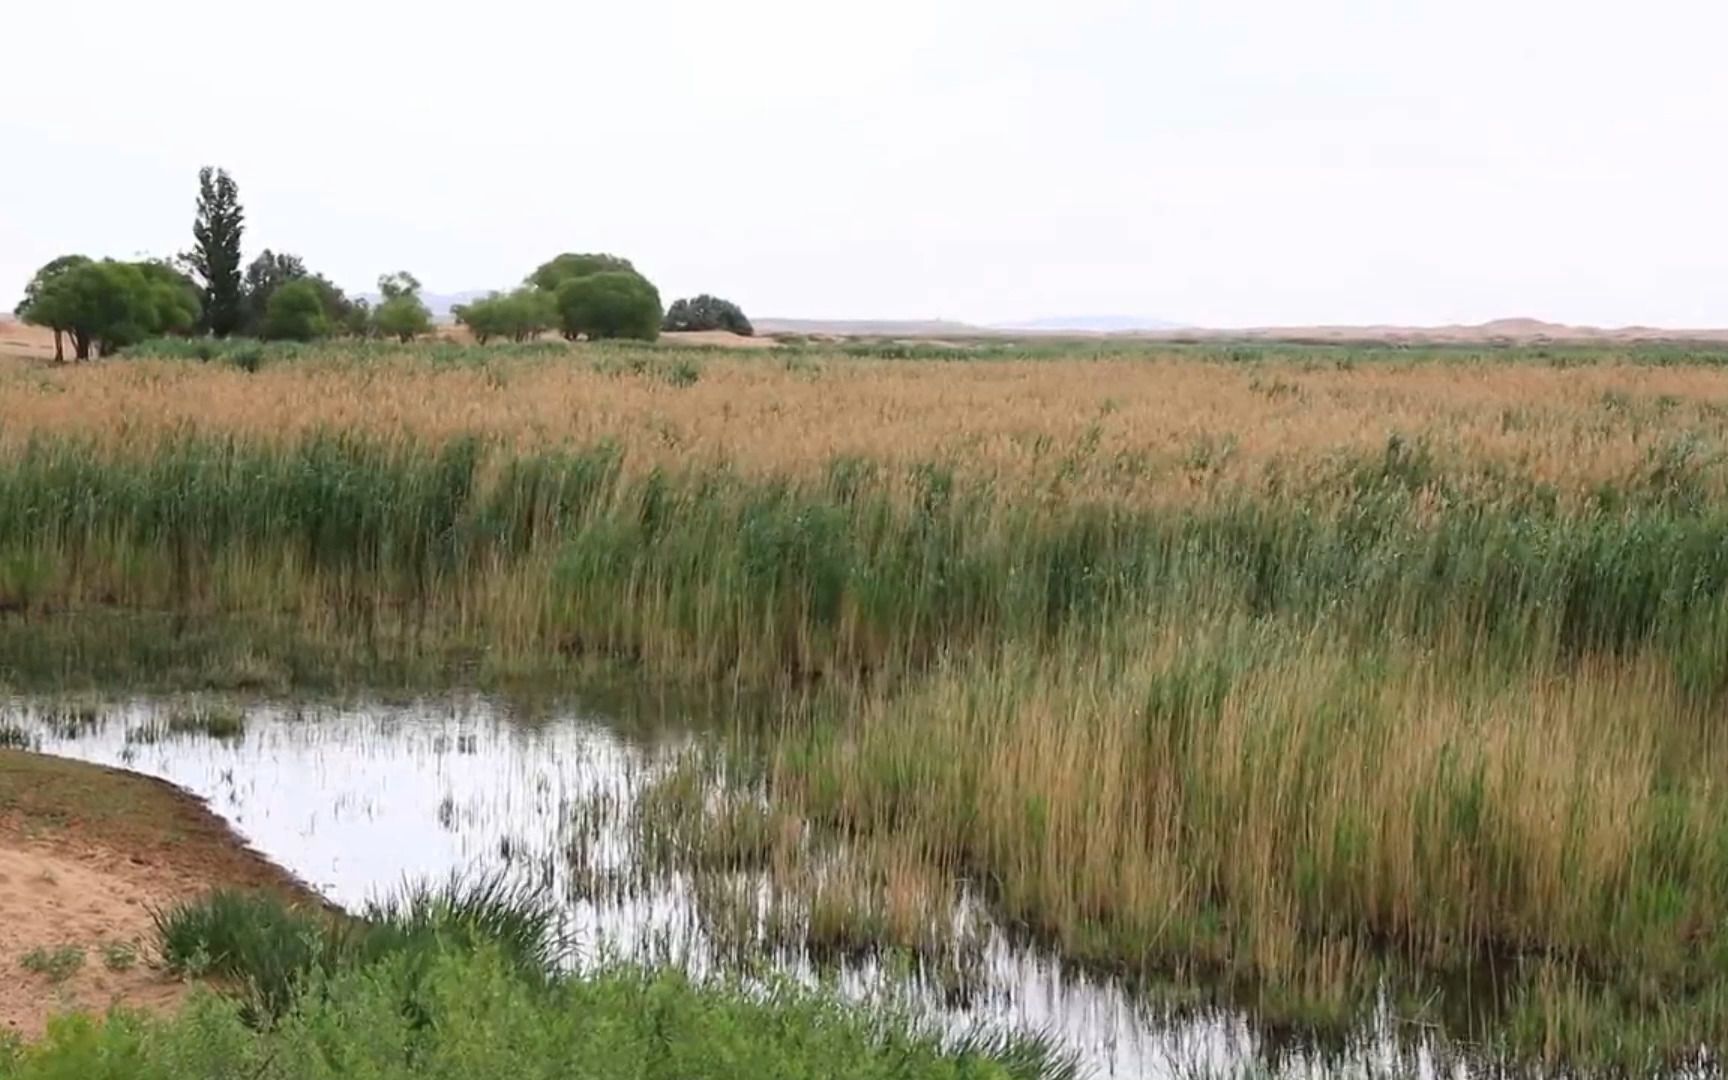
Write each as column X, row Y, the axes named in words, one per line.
column 118, row 956
column 274, row 948
column 58, row 964
column 476, row 1017
column 475, row 980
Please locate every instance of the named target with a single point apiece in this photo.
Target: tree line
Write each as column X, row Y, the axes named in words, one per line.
column 101, row 305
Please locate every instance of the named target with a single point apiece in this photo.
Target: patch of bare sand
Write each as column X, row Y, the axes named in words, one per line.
column 86, row 853
column 22, row 340
column 50, row 903
column 722, row 338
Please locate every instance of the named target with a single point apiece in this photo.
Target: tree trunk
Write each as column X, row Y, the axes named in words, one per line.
column 80, row 345
column 59, row 347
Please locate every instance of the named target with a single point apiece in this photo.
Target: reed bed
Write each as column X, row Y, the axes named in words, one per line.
column 1155, row 429
column 1308, row 677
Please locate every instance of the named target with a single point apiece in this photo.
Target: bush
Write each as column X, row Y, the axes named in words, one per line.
column 295, row 312
column 707, row 313
column 611, row 304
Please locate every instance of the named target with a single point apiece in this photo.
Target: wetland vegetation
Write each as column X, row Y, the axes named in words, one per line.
column 1320, row 683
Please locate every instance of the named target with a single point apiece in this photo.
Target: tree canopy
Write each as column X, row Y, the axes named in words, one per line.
column 271, row 271
column 104, row 305
column 33, row 311
column 175, row 301
column 706, row 312
column 215, row 255
column 554, row 272
column 295, row 312
column 609, row 304
column 520, row 315
column 401, row 314
column 264, row 275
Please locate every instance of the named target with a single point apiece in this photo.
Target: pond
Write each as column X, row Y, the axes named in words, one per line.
column 358, row 799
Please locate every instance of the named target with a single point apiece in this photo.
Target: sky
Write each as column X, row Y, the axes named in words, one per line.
column 1210, row 162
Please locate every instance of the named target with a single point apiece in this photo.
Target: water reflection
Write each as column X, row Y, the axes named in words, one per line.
column 355, row 800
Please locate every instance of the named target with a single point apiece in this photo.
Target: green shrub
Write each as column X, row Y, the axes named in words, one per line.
column 119, row 956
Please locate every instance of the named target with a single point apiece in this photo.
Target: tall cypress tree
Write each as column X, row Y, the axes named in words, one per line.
column 215, row 257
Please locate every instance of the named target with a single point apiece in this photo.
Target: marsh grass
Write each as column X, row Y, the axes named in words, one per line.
column 274, row 948
column 1301, row 671
column 475, row 980
column 474, row 1016
column 212, row 720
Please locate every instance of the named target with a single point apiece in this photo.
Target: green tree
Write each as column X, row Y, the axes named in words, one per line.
column 344, row 314
column 264, row 275
column 175, row 300
column 32, row 309
column 105, row 305
column 554, row 272
column 296, row 312
column 215, row 256
column 357, row 317
column 399, row 284
column 484, row 317
column 707, row 313
column 401, row 314
column 610, row 304
column 521, row 315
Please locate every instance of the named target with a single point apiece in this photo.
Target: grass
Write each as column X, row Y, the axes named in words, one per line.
column 119, row 956
column 214, row 721
column 58, row 964
column 475, row 1018
column 275, row 948
column 474, row 980
column 1298, row 672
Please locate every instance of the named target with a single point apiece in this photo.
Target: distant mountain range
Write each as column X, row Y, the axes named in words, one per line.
column 441, row 303
column 866, row 327
column 1091, row 324
column 1065, row 324
column 1139, row 326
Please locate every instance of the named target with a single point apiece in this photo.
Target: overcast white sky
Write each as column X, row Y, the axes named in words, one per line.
column 1220, row 162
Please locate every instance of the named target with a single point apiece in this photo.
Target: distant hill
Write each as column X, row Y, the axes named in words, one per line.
column 1499, row 330
column 865, row 327
column 1090, row 324
column 915, row 328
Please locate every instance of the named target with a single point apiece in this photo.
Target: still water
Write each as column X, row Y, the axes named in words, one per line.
column 356, row 800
